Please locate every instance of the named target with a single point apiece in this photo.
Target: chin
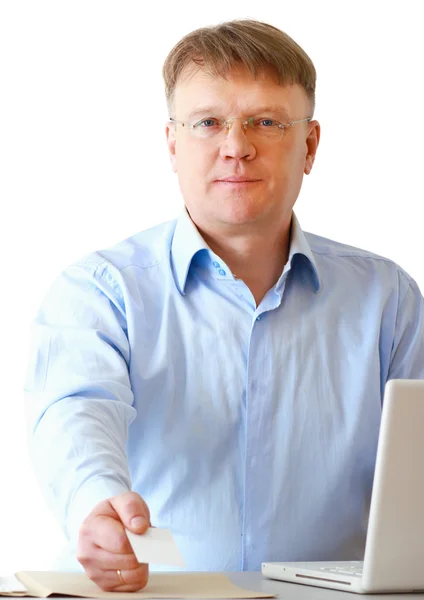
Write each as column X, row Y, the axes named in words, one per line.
column 239, row 217
column 241, row 210
column 230, row 209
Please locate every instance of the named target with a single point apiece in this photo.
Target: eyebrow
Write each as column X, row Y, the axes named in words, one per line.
column 210, row 110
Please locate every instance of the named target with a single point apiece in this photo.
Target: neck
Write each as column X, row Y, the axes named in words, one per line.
column 258, row 258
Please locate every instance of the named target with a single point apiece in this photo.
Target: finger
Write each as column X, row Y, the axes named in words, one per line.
column 104, row 508
column 135, row 579
column 107, row 533
column 132, row 511
column 97, row 559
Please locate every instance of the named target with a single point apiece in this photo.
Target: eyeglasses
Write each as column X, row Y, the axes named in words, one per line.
column 260, row 128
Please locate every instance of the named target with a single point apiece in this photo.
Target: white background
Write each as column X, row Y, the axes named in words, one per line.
column 83, row 162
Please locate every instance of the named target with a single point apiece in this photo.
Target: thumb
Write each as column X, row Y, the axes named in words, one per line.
column 132, row 511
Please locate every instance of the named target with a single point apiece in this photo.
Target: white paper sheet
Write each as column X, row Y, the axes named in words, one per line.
column 156, row 546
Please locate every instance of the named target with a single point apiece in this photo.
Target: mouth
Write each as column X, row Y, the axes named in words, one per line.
column 237, row 181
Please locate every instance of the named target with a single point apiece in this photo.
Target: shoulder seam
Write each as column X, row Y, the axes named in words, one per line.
column 407, row 277
column 95, row 266
column 155, row 264
column 355, row 255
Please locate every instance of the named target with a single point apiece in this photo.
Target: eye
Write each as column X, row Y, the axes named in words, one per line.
column 267, row 123
column 207, row 123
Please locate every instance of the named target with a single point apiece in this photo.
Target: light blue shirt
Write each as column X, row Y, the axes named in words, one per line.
column 250, row 432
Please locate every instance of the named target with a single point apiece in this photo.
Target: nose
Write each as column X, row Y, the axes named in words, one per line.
column 236, row 143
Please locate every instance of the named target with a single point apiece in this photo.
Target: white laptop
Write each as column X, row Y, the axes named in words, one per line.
column 394, row 551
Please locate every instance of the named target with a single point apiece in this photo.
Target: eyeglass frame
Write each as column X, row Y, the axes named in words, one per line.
column 245, row 123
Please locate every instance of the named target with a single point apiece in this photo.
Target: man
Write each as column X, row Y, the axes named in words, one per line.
column 222, row 374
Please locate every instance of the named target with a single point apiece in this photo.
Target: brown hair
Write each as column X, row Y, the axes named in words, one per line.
column 258, row 46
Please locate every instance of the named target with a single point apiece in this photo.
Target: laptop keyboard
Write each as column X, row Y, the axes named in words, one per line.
column 354, row 569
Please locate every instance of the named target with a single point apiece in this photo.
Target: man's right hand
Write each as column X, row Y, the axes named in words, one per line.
column 103, row 546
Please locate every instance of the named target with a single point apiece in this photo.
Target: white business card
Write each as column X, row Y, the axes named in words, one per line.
column 156, row 546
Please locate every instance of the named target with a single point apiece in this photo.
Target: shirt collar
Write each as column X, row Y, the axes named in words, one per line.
column 300, row 250
column 187, row 242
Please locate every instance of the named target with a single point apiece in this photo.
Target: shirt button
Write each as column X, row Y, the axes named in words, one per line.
column 258, row 318
column 216, row 264
column 221, row 272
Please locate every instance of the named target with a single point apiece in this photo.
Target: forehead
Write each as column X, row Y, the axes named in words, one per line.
column 240, row 92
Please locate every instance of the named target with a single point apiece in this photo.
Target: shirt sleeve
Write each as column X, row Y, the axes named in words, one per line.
column 78, row 392
column 407, row 356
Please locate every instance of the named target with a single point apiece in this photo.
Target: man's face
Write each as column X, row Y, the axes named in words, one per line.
column 274, row 167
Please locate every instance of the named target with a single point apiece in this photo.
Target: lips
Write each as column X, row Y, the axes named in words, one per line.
column 237, row 180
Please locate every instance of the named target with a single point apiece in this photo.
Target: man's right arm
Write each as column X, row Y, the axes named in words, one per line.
column 79, row 394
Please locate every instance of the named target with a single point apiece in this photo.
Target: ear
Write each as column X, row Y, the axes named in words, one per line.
column 171, row 141
column 312, row 142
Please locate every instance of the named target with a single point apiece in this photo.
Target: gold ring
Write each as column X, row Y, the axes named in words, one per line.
column 121, row 579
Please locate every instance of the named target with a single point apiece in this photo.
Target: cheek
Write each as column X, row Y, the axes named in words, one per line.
column 287, row 172
column 194, row 168
column 292, row 163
